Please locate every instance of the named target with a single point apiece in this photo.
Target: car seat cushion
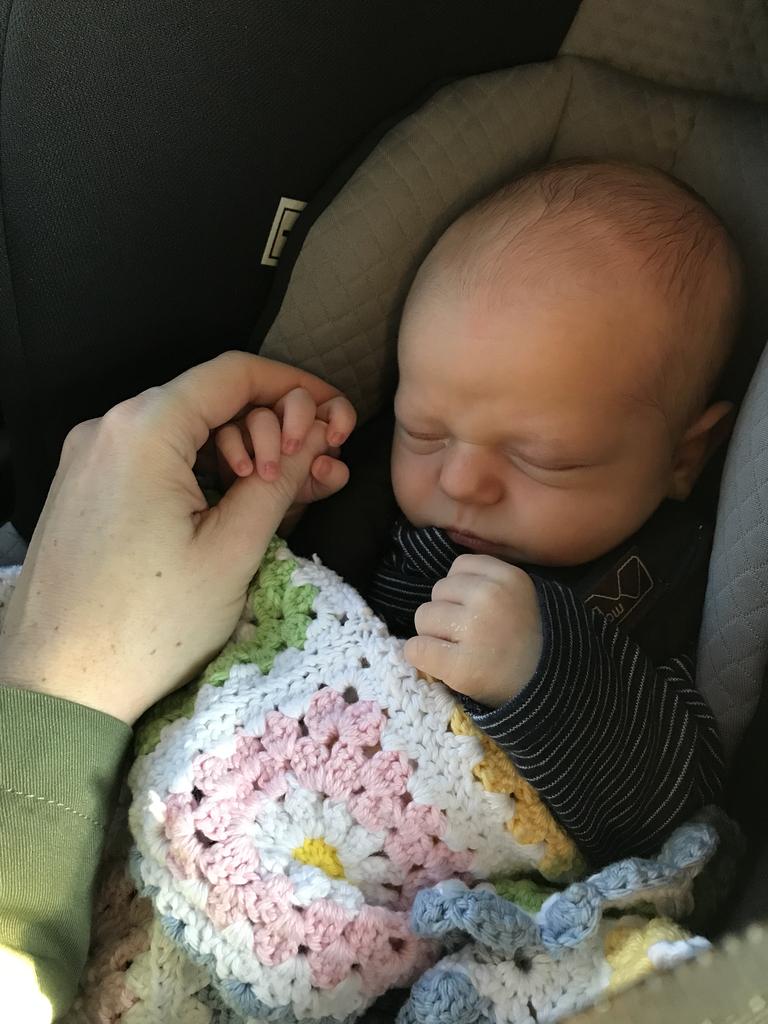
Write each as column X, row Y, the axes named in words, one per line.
column 716, row 46
column 340, row 311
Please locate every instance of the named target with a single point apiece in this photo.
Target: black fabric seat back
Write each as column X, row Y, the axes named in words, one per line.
column 145, row 149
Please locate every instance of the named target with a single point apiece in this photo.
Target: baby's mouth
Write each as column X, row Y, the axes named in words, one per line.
column 470, row 540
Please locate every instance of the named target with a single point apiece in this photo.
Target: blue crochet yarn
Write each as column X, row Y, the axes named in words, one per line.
column 176, row 930
column 173, row 928
column 688, row 844
column 134, row 870
column 482, row 915
column 447, row 996
column 239, row 995
column 499, row 929
column 569, row 917
column 451, row 910
column 629, row 876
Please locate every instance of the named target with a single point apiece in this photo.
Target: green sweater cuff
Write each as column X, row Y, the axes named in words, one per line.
column 59, row 776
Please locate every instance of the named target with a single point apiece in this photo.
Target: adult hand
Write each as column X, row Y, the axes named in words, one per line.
column 132, row 583
column 481, row 632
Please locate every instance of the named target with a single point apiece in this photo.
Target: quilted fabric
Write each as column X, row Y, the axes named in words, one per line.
column 732, row 655
column 719, row 46
column 340, row 313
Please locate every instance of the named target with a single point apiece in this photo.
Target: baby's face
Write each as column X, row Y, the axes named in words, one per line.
column 528, row 432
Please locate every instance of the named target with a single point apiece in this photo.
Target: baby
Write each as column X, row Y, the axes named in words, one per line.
column 558, row 352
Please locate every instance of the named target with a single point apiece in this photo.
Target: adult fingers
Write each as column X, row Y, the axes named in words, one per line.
column 328, row 476
column 205, row 397
column 340, row 415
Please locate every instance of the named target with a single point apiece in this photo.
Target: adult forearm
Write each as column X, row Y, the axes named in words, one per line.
column 53, row 814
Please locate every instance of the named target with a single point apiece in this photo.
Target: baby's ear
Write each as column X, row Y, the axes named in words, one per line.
column 697, row 444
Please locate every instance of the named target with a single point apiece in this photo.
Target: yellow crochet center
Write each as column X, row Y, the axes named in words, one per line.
column 321, row 855
column 626, row 948
column 532, row 822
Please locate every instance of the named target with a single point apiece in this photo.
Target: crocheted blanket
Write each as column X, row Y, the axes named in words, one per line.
column 313, row 824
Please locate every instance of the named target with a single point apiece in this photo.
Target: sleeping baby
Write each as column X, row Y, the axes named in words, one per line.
column 317, row 820
column 557, row 355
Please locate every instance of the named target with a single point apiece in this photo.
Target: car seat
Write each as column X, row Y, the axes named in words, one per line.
column 688, row 96
column 146, row 148
column 682, row 85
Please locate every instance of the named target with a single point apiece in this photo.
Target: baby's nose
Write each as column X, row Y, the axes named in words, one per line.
column 470, row 474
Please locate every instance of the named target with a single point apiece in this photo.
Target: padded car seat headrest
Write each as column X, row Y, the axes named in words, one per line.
column 340, row 312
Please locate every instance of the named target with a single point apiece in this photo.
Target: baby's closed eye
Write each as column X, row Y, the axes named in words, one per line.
column 547, row 467
column 422, row 443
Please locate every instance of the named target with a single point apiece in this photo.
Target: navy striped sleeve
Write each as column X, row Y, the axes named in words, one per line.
column 621, row 751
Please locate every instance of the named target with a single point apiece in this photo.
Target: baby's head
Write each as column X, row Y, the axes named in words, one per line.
column 558, row 352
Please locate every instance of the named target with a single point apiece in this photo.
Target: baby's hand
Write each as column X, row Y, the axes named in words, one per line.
column 481, row 632
column 262, row 435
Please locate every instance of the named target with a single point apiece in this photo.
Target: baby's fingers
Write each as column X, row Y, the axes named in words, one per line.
column 231, row 447
column 297, row 410
column 433, row 657
column 264, row 430
column 340, row 415
column 442, row 620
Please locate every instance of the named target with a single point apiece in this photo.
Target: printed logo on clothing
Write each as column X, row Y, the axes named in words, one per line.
column 620, row 592
column 288, row 211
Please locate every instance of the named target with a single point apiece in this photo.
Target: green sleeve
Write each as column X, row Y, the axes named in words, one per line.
column 59, row 772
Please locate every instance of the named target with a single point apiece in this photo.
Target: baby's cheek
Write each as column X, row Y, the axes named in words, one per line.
column 414, row 481
column 574, row 528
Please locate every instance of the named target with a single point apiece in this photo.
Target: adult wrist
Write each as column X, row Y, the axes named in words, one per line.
column 102, row 702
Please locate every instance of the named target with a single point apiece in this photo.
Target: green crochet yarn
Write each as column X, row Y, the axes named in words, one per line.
column 524, row 892
column 278, row 614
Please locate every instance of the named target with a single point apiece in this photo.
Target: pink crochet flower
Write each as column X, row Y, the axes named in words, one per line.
column 308, row 835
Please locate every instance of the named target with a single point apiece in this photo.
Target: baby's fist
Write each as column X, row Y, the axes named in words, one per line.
column 481, row 632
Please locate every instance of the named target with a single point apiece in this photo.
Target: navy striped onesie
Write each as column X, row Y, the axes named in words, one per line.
column 620, row 749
